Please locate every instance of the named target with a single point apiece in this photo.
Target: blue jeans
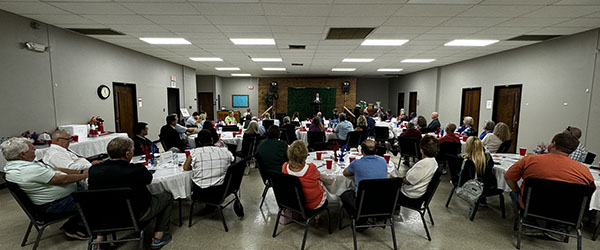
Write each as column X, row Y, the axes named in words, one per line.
column 64, row 205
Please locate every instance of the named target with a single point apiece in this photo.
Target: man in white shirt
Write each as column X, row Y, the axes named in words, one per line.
column 383, row 122
column 192, row 120
column 59, row 155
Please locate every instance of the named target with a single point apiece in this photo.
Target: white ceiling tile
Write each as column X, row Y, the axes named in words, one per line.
column 363, row 10
column 298, row 36
column 191, row 28
column 454, row 30
column 581, row 22
column 137, row 28
column 299, row 1
column 423, row 10
column 118, row 19
column 298, row 29
column 293, row 20
column 200, row 35
column 475, row 21
column 81, row 26
column 224, row 1
column 296, row 9
column 61, row 19
column 355, row 22
column 533, row 22
column 399, row 30
column 577, row 2
column 243, row 29
column 498, row 11
column 244, row 20
column 596, row 14
column 93, row 8
column 518, row 2
column 212, row 9
column 402, row 36
column 444, row 1
column 558, row 31
column 202, row 41
column 161, row 8
column 564, row 11
column 439, row 36
column 416, row 21
column 506, row 30
column 177, row 19
column 31, row 8
column 150, row 34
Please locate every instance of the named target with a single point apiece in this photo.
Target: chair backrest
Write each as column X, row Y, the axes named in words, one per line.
column 381, row 133
column 296, row 123
column 424, row 201
column 249, row 144
column 454, row 164
column 230, row 128
column 377, row 197
column 284, row 135
column 409, row 146
column 106, row 210
column 504, row 147
column 354, row 139
column 315, row 137
column 233, row 177
column 589, row 158
column 288, row 192
column 267, row 124
column 26, row 204
column 448, row 149
column 556, row 200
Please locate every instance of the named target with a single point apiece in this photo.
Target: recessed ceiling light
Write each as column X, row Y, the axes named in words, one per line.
column 252, row 41
column 227, row 68
column 206, row 59
column 417, row 60
column 151, row 40
column 383, row 42
column 266, row 59
column 273, row 69
column 470, row 42
column 241, row 74
column 389, row 70
column 358, row 60
column 343, row 69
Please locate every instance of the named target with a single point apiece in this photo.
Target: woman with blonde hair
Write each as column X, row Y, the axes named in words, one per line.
column 478, row 164
column 309, row 176
column 492, row 141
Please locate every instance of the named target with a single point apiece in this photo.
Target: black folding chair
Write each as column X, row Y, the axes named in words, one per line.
column 284, row 135
column 36, row 218
column 504, row 147
column 448, row 150
column 409, row 147
column 555, row 202
column 265, row 179
column 108, row 211
column 381, row 134
column 377, row 198
column 249, row 145
column 421, row 205
column 296, row 123
column 589, row 158
column 354, row 139
column 316, row 140
column 217, row 195
column 267, row 124
column 289, row 195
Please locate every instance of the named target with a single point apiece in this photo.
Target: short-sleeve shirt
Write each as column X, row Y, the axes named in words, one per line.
column 579, row 154
column 551, row 166
column 342, row 129
column 309, row 176
column 419, row 176
column 366, row 168
column 209, row 165
column 33, row 178
column 59, row 157
column 491, row 142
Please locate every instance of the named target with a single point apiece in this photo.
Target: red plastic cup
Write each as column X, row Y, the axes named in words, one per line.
column 329, row 163
column 522, row 151
column 187, row 153
column 319, row 155
column 387, row 158
column 464, row 138
column 352, row 158
column 75, row 138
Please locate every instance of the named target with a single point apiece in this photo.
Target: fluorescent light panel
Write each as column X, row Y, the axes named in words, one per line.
column 383, row 42
column 267, row 59
column 156, row 40
column 358, row 60
column 253, row 41
column 417, row 60
column 227, row 68
column 389, row 70
column 241, row 74
column 273, row 69
column 470, row 42
column 206, row 59
column 343, row 69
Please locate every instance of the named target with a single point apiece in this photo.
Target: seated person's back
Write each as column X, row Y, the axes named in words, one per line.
column 169, row 136
column 411, row 131
column 370, row 166
column 208, row 163
column 419, row 175
column 478, row 164
column 314, row 193
column 58, row 155
column 271, row 153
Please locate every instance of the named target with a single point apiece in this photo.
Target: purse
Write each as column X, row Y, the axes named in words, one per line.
column 472, row 190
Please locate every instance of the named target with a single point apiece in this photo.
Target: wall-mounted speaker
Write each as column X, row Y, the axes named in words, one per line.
column 273, row 87
column 345, row 86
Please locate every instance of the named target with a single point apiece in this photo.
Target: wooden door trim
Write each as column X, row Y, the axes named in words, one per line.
column 462, row 104
column 518, row 102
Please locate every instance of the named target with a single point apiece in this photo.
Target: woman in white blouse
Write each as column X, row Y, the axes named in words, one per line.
column 493, row 141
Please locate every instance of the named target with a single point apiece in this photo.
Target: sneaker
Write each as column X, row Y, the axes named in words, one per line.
column 77, row 235
column 555, row 236
column 158, row 243
column 96, row 247
column 532, row 231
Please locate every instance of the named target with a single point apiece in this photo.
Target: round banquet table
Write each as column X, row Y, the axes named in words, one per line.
column 170, row 177
column 227, row 137
column 303, row 136
column 86, row 146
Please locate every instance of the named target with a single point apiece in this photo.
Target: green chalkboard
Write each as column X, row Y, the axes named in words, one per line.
column 300, row 100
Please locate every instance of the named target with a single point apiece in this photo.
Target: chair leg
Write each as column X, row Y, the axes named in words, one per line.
column 191, row 214
column 305, row 233
column 519, row 234
column 180, row 212
column 425, row 225
column 501, row 196
column 340, row 217
column 276, row 223
column 393, row 232
column 578, row 239
column 264, row 194
column 29, row 231
column 141, row 239
column 354, row 233
column 223, row 218
column 596, row 231
column 39, row 237
column 430, row 216
column 450, row 196
column 472, row 215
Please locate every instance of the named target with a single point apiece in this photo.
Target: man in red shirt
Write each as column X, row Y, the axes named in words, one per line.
column 450, row 136
column 556, row 165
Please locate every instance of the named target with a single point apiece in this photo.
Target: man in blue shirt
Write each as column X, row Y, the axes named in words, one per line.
column 370, row 166
column 343, row 128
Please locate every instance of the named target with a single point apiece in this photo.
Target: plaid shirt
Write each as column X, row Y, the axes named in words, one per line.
column 209, row 165
column 579, row 154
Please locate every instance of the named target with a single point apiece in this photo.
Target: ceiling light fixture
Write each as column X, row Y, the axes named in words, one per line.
column 383, row 42
column 343, row 69
column 267, row 59
column 389, row 70
column 273, row 69
column 417, row 60
column 227, row 68
column 470, row 42
column 358, row 60
column 170, row 41
column 241, row 74
column 206, row 59
column 253, row 41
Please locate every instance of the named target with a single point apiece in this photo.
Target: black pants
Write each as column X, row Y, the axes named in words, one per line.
column 210, row 194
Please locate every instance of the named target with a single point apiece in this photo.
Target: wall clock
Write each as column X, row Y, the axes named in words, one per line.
column 103, row 92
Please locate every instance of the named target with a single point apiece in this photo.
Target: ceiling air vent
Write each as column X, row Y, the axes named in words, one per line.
column 533, row 38
column 297, row 64
column 297, row 46
column 348, row 33
column 98, row 32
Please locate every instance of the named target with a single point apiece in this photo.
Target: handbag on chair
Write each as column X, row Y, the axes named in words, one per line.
column 472, row 190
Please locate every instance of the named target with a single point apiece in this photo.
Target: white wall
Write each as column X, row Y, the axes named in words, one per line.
column 239, row 86
column 425, row 84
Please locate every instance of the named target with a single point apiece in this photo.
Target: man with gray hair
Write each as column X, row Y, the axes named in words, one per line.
column 580, row 152
column 59, row 155
column 118, row 172
column 48, row 188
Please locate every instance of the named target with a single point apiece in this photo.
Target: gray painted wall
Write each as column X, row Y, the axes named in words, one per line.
column 239, row 86
column 372, row 90
column 424, row 83
column 72, row 70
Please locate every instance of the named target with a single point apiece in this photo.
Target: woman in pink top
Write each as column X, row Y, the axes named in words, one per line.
column 309, row 176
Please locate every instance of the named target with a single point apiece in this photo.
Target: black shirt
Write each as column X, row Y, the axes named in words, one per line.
column 120, row 174
column 170, row 138
column 140, row 144
column 290, row 129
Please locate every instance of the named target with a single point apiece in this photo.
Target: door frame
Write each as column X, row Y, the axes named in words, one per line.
column 416, row 101
column 462, row 104
column 403, row 103
column 495, row 106
column 178, row 110
column 134, row 101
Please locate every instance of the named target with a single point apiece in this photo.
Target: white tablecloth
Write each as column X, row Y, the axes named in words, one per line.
column 170, row 177
column 227, row 137
column 507, row 160
column 302, row 135
column 87, row 146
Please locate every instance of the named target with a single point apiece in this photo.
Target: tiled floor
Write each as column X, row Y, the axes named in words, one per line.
column 452, row 229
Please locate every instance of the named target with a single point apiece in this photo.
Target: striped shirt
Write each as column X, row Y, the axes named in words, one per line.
column 209, row 165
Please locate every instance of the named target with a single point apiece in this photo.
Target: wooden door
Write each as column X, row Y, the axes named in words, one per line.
column 125, row 108
column 471, row 98
column 205, row 103
column 412, row 103
column 507, row 107
column 400, row 103
column 173, row 101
